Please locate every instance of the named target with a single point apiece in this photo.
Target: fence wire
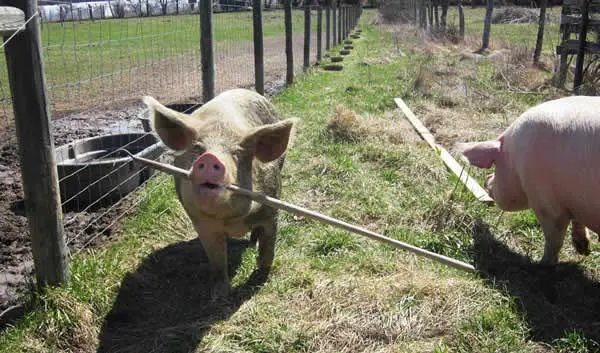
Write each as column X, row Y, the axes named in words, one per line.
column 99, row 61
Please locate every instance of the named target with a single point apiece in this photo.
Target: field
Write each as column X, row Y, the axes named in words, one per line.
column 356, row 158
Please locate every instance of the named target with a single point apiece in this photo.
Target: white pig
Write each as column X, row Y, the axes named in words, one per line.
column 548, row 160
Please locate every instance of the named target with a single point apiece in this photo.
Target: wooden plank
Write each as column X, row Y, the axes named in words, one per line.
column 579, row 2
column 36, row 151
column 458, row 170
column 12, row 20
column 571, row 46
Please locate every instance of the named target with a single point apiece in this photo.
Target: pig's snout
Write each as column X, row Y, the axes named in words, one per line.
column 208, row 169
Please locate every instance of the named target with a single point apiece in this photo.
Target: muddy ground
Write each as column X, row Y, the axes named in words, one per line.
column 15, row 254
column 86, row 111
column 90, row 228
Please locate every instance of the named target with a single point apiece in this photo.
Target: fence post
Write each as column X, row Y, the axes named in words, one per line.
column 319, row 31
column 38, row 163
column 289, row 44
column 259, row 65
column 328, row 26
column 306, row 34
column 583, row 29
column 207, row 50
column 334, row 26
column 339, row 24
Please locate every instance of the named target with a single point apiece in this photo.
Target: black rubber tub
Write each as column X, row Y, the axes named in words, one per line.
column 181, row 107
column 92, row 173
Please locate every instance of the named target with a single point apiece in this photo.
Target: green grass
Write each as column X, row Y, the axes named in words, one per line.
column 329, row 290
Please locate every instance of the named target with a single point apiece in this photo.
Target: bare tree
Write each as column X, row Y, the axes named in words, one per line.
column 487, row 27
column 163, row 6
column 540, row 34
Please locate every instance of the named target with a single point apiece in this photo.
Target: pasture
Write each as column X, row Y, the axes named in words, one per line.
column 354, row 157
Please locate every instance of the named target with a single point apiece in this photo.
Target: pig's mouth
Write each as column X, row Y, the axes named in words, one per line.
column 210, row 186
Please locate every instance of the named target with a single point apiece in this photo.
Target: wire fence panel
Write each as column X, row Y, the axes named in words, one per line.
column 99, row 60
column 234, row 47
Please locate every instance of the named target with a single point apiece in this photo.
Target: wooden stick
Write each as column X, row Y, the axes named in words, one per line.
column 447, row 158
column 275, row 203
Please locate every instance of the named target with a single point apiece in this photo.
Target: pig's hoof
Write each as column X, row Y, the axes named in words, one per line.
column 549, row 260
column 582, row 246
column 220, row 290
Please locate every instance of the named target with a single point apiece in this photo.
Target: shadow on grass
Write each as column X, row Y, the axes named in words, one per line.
column 165, row 305
column 554, row 300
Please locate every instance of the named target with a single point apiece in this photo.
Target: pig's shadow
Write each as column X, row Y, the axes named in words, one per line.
column 165, row 305
column 555, row 300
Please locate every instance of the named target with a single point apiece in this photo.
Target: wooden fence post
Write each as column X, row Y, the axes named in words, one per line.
column 38, row 162
column 259, row 64
column 289, row 44
column 306, row 34
column 207, row 50
column 339, row 24
column 319, row 32
column 578, row 79
column 328, row 26
column 334, row 26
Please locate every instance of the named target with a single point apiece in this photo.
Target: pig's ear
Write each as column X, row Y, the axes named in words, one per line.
column 480, row 154
column 270, row 141
column 170, row 126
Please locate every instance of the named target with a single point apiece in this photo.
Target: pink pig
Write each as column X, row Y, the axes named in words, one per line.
column 548, row 160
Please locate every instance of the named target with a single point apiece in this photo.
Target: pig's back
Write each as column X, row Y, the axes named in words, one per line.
column 242, row 108
column 555, row 147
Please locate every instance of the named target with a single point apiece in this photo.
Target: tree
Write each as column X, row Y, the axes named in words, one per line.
column 163, row 6
column 487, row 27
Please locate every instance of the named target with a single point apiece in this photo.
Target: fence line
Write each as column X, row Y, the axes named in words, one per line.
column 96, row 72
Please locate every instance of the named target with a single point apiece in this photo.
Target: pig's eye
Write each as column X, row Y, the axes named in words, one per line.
column 198, row 149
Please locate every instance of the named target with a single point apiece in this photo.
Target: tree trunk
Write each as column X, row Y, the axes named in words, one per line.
column 540, row 34
column 487, row 27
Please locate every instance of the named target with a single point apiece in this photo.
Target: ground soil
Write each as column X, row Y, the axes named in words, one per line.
column 91, row 112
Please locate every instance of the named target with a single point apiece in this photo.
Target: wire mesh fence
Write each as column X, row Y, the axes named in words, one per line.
column 99, row 59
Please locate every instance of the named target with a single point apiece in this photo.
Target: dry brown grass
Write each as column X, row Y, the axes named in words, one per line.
column 412, row 310
column 346, row 125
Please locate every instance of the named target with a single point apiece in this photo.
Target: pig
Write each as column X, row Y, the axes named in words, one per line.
column 236, row 138
column 548, row 160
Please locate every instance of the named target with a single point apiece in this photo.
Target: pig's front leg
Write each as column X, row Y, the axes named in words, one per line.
column 580, row 237
column 554, row 228
column 266, row 235
column 215, row 246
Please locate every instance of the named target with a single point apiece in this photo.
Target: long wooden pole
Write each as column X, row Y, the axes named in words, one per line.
column 275, row 203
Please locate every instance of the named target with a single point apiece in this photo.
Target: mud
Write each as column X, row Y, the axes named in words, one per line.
column 16, row 263
column 82, row 229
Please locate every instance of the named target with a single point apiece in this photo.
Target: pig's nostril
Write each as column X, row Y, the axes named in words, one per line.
column 201, row 165
column 216, row 167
